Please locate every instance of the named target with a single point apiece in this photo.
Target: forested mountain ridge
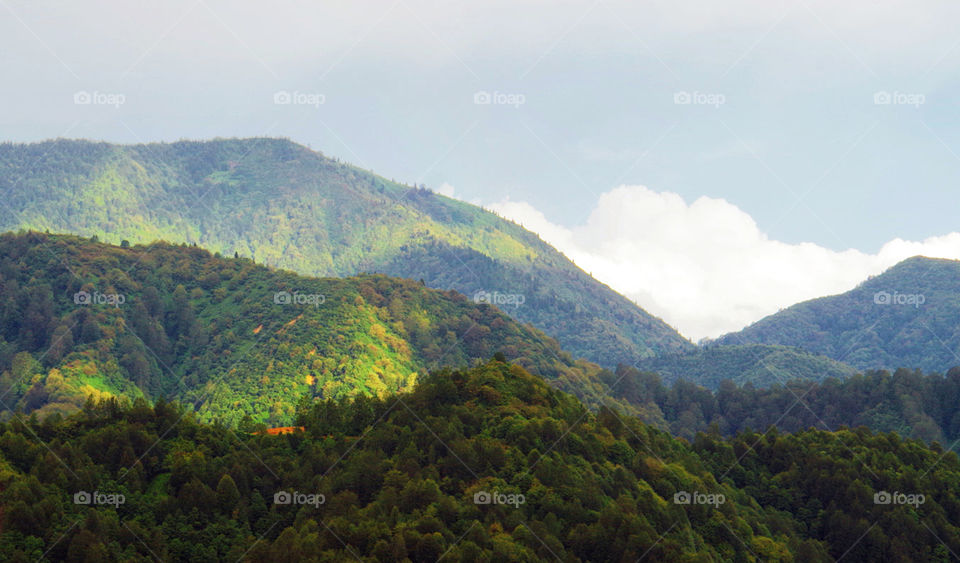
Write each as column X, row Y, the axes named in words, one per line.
column 233, row 338
column 905, row 317
column 414, row 477
column 908, row 402
column 761, row 365
column 284, row 205
column 244, row 343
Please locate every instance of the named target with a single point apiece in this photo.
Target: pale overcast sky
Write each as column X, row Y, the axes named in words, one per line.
column 775, row 149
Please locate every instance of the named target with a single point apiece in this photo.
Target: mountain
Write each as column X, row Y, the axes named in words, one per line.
column 910, row 403
column 235, row 339
column 762, row 365
column 904, row 317
column 285, row 205
column 485, row 464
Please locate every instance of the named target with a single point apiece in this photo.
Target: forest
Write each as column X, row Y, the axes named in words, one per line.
column 286, row 206
column 904, row 317
column 139, row 383
column 411, row 477
column 233, row 338
column 908, row 402
column 208, row 331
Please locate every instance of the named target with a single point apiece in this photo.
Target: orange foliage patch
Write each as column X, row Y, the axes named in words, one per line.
column 283, row 430
column 289, row 324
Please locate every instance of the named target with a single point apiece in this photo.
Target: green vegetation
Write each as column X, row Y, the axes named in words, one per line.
column 905, row 317
column 284, row 205
column 209, row 332
column 397, row 445
column 232, row 338
column 398, row 478
column 834, row 483
column 926, row 407
column 761, row 365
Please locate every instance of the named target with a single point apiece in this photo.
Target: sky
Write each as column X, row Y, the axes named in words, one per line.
column 715, row 162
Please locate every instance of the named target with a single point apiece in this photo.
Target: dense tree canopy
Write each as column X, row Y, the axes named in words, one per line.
column 284, row 205
column 762, row 365
column 904, row 318
column 233, row 338
column 413, row 477
column 926, row 407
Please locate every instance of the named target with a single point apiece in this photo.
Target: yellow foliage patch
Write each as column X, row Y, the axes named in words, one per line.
column 378, row 332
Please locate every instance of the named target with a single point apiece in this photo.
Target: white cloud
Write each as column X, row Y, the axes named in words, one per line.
column 445, row 189
column 706, row 267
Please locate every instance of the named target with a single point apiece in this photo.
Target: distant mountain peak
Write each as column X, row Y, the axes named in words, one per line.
column 283, row 204
column 904, row 317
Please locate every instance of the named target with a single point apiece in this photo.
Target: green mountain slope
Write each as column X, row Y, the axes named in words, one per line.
column 284, row 205
column 905, row 317
column 408, row 478
column 870, row 497
column 760, row 364
column 914, row 405
column 232, row 338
